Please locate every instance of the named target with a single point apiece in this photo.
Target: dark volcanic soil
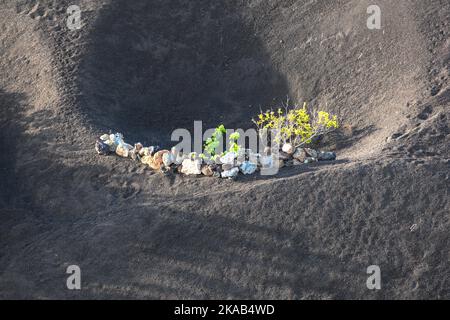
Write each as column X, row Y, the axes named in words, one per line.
column 144, row 68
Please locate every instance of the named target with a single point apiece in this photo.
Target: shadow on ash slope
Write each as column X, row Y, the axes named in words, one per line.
column 155, row 66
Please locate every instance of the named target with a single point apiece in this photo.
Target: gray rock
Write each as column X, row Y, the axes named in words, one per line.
column 311, row 152
column 101, row 147
column 232, row 173
column 227, row 166
column 310, row 160
column 300, row 155
column 289, row 163
column 326, row 156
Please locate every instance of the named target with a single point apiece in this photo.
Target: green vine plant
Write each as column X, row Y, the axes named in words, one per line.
column 212, row 144
column 234, row 146
column 295, row 125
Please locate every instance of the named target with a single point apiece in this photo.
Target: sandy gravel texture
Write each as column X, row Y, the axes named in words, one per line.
column 144, row 68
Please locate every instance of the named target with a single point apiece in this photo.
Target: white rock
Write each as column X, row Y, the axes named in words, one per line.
column 228, row 158
column 233, row 172
column 191, row 167
column 266, row 161
column 288, row 148
column 168, row 159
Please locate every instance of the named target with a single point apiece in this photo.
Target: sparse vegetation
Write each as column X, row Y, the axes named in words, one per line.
column 234, row 147
column 295, row 125
column 213, row 142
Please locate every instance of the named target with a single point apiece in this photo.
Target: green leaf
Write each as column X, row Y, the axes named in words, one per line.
column 234, row 136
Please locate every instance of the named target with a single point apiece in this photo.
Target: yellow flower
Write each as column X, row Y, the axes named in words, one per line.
column 296, row 125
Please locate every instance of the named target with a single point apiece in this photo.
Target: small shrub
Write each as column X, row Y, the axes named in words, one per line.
column 212, row 143
column 295, row 125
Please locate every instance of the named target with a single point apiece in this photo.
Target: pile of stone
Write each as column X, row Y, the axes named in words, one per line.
column 152, row 156
column 227, row 166
column 290, row 155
